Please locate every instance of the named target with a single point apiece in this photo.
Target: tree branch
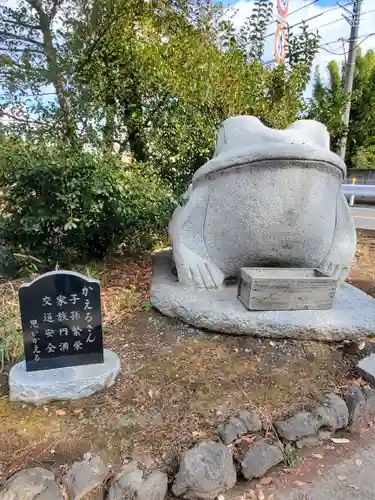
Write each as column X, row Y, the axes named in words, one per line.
column 6, row 35
column 21, row 120
column 37, row 51
column 22, row 24
column 55, row 6
column 37, row 4
column 97, row 41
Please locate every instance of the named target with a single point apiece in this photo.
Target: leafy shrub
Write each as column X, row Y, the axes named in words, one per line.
column 63, row 205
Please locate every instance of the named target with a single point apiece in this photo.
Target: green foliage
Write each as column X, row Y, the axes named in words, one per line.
column 302, row 48
column 328, row 103
column 251, row 37
column 290, row 456
column 62, row 205
column 145, row 80
column 151, row 79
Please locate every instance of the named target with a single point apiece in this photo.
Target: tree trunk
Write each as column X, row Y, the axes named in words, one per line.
column 54, row 74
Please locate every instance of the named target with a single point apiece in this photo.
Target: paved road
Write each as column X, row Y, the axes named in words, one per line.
column 354, row 478
column 364, row 218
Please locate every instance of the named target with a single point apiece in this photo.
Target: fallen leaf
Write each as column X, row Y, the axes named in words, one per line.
column 316, row 455
column 299, row 483
column 352, row 486
column 250, row 495
column 270, row 497
column 247, row 439
column 341, row 478
column 260, row 495
column 151, row 393
column 359, row 462
column 60, row 413
column 266, row 481
column 221, row 497
column 340, row 440
column 78, row 410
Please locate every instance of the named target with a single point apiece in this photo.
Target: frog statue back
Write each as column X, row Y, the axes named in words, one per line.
column 267, row 198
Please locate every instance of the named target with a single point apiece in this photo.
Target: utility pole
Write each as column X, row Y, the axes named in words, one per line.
column 349, row 72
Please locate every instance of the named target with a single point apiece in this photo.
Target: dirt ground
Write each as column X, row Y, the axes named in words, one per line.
column 177, row 383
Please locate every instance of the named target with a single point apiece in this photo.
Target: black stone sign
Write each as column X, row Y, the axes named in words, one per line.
column 61, row 321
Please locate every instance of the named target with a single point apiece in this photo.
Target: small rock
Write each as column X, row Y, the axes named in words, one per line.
column 260, row 458
column 333, row 413
column 229, row 431
column 131, row 483
column 370, row 400
column 251, row 421
column 361, row 406
column 301, row 425
column 236, row 427
column 85, row 476
column 324, row 435
column 356, row 402
column 205, row 471
column 31, row 484
column 308, row 442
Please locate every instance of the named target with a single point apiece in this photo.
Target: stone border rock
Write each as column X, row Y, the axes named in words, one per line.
column 210, row 468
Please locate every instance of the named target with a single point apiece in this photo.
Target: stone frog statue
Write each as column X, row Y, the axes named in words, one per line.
column 267, row 198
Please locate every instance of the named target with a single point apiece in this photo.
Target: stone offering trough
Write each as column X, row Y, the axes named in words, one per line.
column 285, row 289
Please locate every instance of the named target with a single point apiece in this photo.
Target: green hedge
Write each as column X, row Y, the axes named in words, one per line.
column 61, row 205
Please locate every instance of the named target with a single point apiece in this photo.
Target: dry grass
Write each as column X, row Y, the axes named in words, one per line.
column 11, row 347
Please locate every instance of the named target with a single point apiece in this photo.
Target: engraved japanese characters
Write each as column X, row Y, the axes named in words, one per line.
column 61, row 321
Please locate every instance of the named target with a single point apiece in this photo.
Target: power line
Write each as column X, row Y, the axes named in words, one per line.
column 339, row 19
column 314, row 17
column 298, row 10
column 346, row 52
column 303, row 7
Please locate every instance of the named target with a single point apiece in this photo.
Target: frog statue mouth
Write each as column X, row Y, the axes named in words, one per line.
column 245, row 140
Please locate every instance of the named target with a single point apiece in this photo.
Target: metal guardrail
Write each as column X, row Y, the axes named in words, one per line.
column 362, row 191
column 358, row 189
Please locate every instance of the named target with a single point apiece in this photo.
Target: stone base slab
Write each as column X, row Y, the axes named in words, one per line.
column 73, row 382
column 352, row 316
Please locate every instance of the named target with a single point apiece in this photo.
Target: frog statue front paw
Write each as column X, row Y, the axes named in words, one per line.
column 266, row 198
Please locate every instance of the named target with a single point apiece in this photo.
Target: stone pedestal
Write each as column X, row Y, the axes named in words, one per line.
column 352, row 315
column 73, row 382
